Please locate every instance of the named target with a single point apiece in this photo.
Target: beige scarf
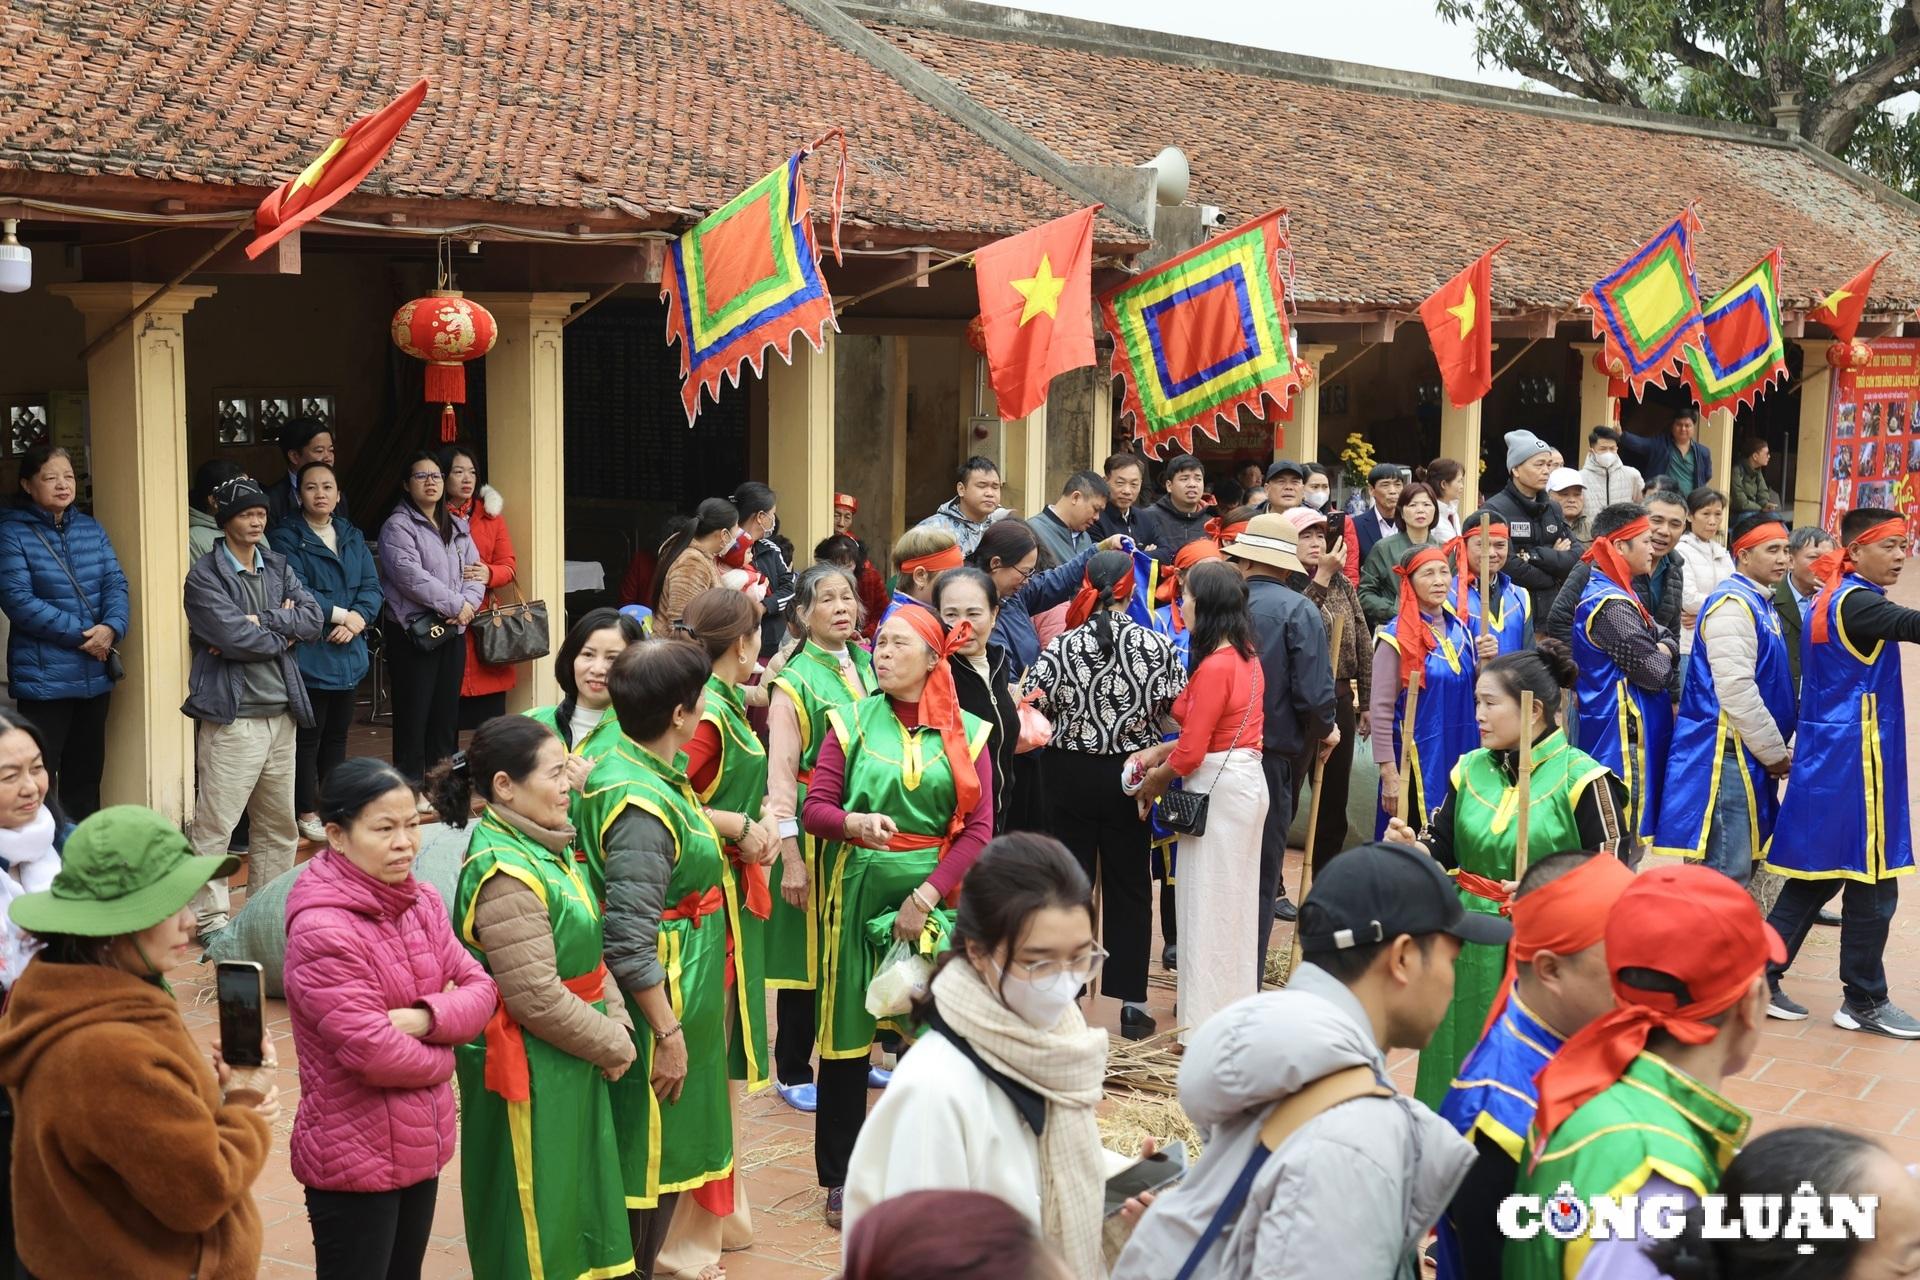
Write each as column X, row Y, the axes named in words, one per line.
column 1067, row 1066
column 556, row 840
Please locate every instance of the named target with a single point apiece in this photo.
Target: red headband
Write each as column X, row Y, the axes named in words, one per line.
column 1836, row 564
column 1416, row 637
column 950, row 558
column 1221, row 532
column 940, row 708
column 1604, row 556
column 1759, row 535
column 1088, row 597
column 1563, row 916
column 1196, row 552
column 1467, row 565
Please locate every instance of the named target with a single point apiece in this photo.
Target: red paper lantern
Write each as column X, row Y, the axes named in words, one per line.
column 446, row 330
column 977, row 334
column 1307, row 374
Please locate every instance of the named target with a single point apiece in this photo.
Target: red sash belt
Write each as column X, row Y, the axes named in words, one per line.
column 1491, row 890
column 759, row 889
column 696, row 907
column 506, row 1071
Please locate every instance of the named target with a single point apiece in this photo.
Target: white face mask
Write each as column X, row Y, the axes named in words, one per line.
column 1317, row 498
column 1604, row 461
column 1040, row 1004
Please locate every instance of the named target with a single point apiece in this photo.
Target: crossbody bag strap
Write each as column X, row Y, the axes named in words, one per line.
column 86, row 605
column 1287, row 1118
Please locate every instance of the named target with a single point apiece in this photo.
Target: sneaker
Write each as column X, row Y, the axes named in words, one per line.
column 1785, row 1007
column 1883, row 1019
column 311, row 830
column 801, row 1097
column 1283, row 909
column 836, row 1206
column 878, row 1078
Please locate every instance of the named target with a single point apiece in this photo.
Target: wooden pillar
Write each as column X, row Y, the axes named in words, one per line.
column 1460, row 440
column 1597, row 408
column 1023, row 463
column 1717, row 434
column 526, row 459
column 1100, row 429
column 899, row 380
column 137, row 406
column 1303, row 433
column 1810, row 441
column 800, row 442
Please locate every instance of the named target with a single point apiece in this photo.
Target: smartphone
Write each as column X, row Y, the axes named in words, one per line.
column 1150, row 1173
column 1336, row 526
column 243, row 1024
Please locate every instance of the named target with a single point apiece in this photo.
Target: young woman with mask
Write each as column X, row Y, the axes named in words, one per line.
column 759, row 517
column 1004, row 1038
column 982, row 672
column 825, row 672
column 690, row 560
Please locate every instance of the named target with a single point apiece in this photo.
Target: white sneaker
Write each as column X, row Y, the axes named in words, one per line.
column 311, row 829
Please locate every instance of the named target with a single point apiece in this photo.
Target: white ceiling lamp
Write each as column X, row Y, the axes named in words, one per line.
column 16, row 260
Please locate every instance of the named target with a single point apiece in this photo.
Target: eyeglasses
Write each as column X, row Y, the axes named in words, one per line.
column 1025, row 574
column 1080, row 968
column 426, row 477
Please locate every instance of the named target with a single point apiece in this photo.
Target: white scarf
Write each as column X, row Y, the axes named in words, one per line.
column 32, row 864
column 1067, row 1066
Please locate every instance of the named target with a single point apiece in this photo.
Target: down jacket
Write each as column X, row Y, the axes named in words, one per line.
column 376, row 1109
column 49, row 617
column 420, row 571
column 343, row 579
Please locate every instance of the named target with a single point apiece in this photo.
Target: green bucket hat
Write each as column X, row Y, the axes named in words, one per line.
column 123, row 870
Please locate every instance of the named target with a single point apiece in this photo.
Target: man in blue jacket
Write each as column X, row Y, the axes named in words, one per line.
column 246, row 610
column 1676, row 455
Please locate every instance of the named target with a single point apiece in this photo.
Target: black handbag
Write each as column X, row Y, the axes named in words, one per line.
column 429, row 631
column 510, row 633
column 1185, row 812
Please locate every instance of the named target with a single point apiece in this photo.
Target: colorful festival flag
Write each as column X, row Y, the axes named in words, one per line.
column 1459, row 319
column 1647, row 310
column 1204, row 334
column 746, row 278
column 336, row 171
column 1036, row 308
column 1840, row 310
column 1741, row 347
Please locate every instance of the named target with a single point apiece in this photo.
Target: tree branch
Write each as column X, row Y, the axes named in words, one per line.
column 1831, row 124
column 1565, row 28
column 1537, row 69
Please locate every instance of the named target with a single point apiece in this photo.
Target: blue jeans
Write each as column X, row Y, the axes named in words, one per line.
column 1866, row 914
column 1730, row 848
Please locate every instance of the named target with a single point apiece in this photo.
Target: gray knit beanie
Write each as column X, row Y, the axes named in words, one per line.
column 1522, row 445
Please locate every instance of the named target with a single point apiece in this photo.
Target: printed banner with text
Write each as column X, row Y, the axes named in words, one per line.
column 1873, row 434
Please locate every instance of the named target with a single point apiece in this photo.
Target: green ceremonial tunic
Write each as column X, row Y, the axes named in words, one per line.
column 1655, row 1119
column 1485, row 805
column 813, row 679
column 905, row 775
column 739, row 786
column 595, row 745
column 540, row 1178
column 688, row 1144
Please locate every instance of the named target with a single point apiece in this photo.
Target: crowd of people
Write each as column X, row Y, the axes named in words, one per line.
column 929, row 818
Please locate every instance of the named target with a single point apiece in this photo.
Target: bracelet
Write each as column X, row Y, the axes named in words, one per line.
column 924, row 906
column 661, row 1037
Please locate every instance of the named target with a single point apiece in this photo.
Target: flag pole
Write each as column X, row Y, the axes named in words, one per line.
column 1516, row 360
column 106, row 335
column 891, row 285
column 1523, row 785
column 1313, row 812
column 1486, row 571
column 1406, row 754
column 1342, row 367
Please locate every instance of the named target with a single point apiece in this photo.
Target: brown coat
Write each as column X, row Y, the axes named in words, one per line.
column 693, row 572
column 125, row 1161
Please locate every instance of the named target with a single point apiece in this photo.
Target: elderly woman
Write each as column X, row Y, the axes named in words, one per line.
column 903, row 794
column 133, row 1155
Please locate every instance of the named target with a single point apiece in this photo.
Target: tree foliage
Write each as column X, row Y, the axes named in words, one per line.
column 1842, row 60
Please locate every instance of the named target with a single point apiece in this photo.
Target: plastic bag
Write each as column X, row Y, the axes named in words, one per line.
column 901, row 979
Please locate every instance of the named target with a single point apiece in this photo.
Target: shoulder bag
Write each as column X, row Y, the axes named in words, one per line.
column 507, row 633
column 116, row 669
column 1185, row 812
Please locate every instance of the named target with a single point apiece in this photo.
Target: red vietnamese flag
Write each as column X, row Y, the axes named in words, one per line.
column 338, row 170
column 1459, row 319
column 1840, row 310
column 1036, row 308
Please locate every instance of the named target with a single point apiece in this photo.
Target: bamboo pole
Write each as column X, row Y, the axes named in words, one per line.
column 903, row 281
column 108, row 334
column 1406, row 755
column 592, row 302
column 1341, row 368
column 1523, row 786
column 1486, row 571
column 1313, row 811
column 1516, row 360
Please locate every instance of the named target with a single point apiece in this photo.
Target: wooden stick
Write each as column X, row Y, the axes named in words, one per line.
column 591, row 303
column 109, row 333
column 1313, row 808
column 891, row 285
column 1406, row 755
column 1516, row 360
column 1341, row 368
column 1524, row 785
column 1486, row 570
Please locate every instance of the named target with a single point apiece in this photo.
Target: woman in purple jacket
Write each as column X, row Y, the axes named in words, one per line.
column 433, row 581
column 379, row 991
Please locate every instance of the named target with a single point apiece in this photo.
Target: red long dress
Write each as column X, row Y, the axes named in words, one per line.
column 488, row 529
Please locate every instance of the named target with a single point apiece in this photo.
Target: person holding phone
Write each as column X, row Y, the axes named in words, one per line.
column 999, row 1094
column 134, row 1154
column 379, row 991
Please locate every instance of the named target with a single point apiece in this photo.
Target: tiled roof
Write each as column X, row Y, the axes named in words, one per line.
column 673, row 104
column 1393, row 189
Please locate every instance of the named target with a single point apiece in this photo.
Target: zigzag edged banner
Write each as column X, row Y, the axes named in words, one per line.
column 1647, row 310
column 1742, row 350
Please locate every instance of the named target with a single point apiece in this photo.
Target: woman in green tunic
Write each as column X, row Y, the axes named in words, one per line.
column 903, row 796
column 827, row 671
column 669, row 899
column 1574, row 803
column 584, row 716
column 539, row 1163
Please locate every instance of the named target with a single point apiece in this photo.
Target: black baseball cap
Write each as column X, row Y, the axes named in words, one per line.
column 1287, row 467
column 1375, row 892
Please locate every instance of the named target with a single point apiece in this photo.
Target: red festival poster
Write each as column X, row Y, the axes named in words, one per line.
column 1873, row 434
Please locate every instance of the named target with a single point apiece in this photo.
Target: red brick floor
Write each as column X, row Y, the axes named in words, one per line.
column 1804, row 1073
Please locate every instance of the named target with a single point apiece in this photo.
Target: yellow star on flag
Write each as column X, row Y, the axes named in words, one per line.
column 1465, row 312
column 1041, row 290
column 1833, row 300
column 310, row 176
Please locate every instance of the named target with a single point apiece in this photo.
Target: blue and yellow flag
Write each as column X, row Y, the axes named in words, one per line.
column 1741, row 347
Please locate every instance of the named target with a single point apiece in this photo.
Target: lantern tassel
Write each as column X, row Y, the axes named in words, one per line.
column 449, row 425
column 446, row 383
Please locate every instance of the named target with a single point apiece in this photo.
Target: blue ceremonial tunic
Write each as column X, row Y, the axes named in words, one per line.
column 1182, row 639
column 1702, row 734
column 1845, row 812
column 1445, row 726
column 1511, row 621
column 1495, row 1095
column 901, row 600
column 1623, row 726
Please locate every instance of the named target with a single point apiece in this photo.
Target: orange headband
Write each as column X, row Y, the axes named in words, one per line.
column 1836, row 564
column 1088, row 597
column 1221, row 532
column 1760, row 534
column 1604, row 556
column 1196, row 552
column 940, row 708
column 1416, row 637
column 938, row 560
column 1563, row 916
column 1466, row 564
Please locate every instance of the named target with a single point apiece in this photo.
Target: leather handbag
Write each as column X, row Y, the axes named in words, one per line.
column 429, row 631
column 1185, row 812
column 507, row 633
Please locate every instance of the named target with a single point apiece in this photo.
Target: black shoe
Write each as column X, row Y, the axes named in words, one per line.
column 1170, row 957
column 1829, row 918
column 1283, row 909
column 1136, row 1024
column 1785, row 1007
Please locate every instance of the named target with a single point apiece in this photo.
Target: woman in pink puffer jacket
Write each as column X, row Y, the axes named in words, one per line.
column 380, row 991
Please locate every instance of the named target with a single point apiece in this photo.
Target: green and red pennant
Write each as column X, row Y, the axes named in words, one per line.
column 1840, row 310
column 1204, row 335
column 347, row 160
column 1646, row 311
column 1459, row 320
column 1741, row 349
column 1036, row 308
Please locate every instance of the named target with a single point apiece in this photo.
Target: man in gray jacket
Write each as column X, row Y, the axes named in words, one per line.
column 1356, row 1178
column 246, row 610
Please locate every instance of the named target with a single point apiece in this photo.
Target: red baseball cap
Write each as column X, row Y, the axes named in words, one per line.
column 1693, row 924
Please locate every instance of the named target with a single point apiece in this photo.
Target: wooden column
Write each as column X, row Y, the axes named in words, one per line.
column 800, row 442
column 1100, row 429
column 1460, row 440
column 137, row 406
column 526, row 459
column 899, row 380
column 1717, row 434
column 1023, row 463
column 1810, row 440
column 1303, row 433
column 1597, row 408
